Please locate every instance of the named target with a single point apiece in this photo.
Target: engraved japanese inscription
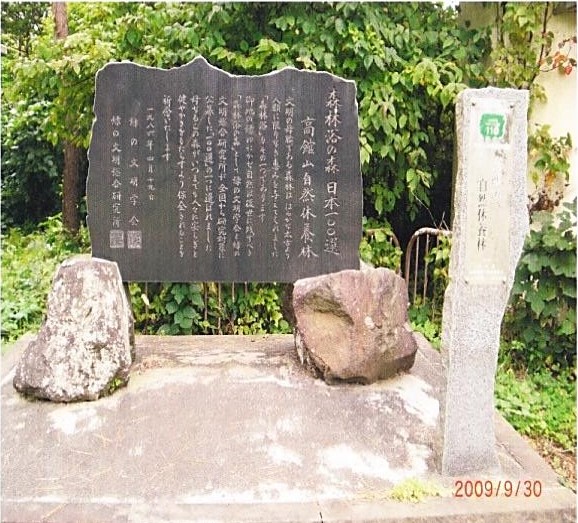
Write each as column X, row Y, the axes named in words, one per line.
column 488, row 218
column 196, row 174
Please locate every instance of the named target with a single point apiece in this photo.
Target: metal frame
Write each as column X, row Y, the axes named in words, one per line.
column 415, row 242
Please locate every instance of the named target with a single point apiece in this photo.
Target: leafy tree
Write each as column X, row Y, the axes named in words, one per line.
column 30, row 165
column 409, row 62
column 71, row 175
column 21, row 21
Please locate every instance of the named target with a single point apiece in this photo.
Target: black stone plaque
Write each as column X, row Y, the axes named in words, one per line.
column 198, row 175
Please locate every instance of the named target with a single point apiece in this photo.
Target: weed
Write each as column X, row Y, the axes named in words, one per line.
column 415, row 490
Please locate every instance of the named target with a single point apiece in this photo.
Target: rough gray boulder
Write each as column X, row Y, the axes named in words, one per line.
column 85, row 346
column 353, row 325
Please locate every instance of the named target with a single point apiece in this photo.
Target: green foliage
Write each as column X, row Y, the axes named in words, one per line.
column 409, row 62
column 114, row 384
column 522, row 37
column 209, row 308
column 30, row 167
column 62, row 72
column 425, row 312
column 540, row 321
column 539, row 404
column 21, row 21
column 426, row 320
column 28, row 265
column 260, row 311
column 438, row 258
column 542, row 311
column 379, row 246
column 29, row 262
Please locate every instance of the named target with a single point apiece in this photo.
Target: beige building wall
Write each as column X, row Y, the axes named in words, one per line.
column 560, row 111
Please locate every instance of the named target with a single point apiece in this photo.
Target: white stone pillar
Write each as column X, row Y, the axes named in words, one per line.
column 490, row 222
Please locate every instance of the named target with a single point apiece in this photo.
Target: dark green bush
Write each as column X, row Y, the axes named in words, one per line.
column 31, row 167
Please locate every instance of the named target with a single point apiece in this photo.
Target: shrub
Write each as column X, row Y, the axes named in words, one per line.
column 31, row 167
column 542, row 310
column 378, row 245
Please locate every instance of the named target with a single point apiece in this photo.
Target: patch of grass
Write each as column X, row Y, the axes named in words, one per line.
column 415, row 490
column 115, row 384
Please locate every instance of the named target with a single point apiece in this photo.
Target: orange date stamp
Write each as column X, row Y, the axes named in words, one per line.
column 494, row 488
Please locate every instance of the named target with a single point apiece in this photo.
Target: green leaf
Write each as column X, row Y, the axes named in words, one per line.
column 188, row 312
column 402, row 121
column 317, row 53
column 569, row 288
column 308, row 26
column 568, row 326
column 329, row 60
column 172, row 307
column 564, row 264
column 446, row 96
column 378, row 204
column 367, row 61
column 197, row 300
column 547, row 290
column 537, row 305
column 133, row 36
column 340, row 26
column 178, row 296
column 534, row 262
column 380, row 236
column 185, row 323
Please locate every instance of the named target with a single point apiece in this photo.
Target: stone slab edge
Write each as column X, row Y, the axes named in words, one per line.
column 557, row 505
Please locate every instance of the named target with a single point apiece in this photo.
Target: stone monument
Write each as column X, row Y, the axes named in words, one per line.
column 199, row 175
column 490, row 222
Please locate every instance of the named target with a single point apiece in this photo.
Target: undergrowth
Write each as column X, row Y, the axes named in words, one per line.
column 539, row 404
column 29, row 262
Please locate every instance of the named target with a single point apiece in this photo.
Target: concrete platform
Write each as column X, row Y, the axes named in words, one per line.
column 233, row 429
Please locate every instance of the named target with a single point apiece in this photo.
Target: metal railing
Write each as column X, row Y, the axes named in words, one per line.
column 417, row 252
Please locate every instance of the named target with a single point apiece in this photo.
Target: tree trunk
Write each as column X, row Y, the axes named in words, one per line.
column 71, row 190
column 60, row 20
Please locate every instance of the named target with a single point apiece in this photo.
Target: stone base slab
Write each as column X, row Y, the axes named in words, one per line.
column 233, row 429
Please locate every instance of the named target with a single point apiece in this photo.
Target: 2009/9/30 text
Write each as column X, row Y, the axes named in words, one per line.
column 494, row 488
